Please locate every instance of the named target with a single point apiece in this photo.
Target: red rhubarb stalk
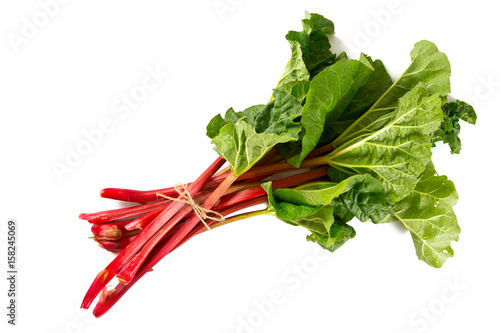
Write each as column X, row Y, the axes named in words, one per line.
column 127, row 274
column 105, row 276
column 123, row 213
column 109, row 298
column 142, row 221
column 148, row 196
column 172, row 242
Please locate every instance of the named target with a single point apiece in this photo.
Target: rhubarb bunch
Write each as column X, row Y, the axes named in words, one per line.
column 339, row 139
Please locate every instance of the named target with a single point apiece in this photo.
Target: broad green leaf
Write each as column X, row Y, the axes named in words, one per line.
column 329, row 93
column 429, row 69
column 427, row 213
column 289, row 149
column 461, row 110
column 314, row 42
column 242, row 146
column 297, row 89
column 231, row 117
column 295, row 69
column 317, row 219
column 376, row 85
column 316, row 22
column 280, row 117
column 364, row 198
column 341, row 56
column 315, row 194
column 362, row 195
column 450, row 127
column 337, row 175
column 214, row 126
column 341, row 214
column 396, row 147
column 319, row 224
column 339, row 231
column 277, row 116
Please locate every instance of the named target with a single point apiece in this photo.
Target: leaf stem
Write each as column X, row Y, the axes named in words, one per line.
column 239, row 217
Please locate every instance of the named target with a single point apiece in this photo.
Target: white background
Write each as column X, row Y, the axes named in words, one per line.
column 70, row 73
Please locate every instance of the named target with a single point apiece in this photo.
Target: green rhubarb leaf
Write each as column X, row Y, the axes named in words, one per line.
column 339, row 232
column 243, row 138
column 461, row 110
column 278, row 116
column 214, row 126
column 231, row 117
column 341, row 213
column 319, row 224
column 317, row 219
column 242, row 146
column 337, row 175
column 289, row 149
column 314, row 43
column 329, row 93
column 450, row 127
column 428, row 214
column 295, row 69
column 396, row 147
column 376, row 85
column 341, row 56
column 324, row 207
column 310, row 50
column 297, row 89
column 314, row 194
column 362, row 195
column 429, row 69
column 364, row 198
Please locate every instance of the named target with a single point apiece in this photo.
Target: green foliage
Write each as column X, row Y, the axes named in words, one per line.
column 243, row 138
column 375, row 86
column 313, row 207
column 428, row 214
column 395, row 147
column 379, row 134
column 329, row 93
column 314, row 43
column 450, row 128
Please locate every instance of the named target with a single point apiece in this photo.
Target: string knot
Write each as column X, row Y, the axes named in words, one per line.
column 202, row 213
